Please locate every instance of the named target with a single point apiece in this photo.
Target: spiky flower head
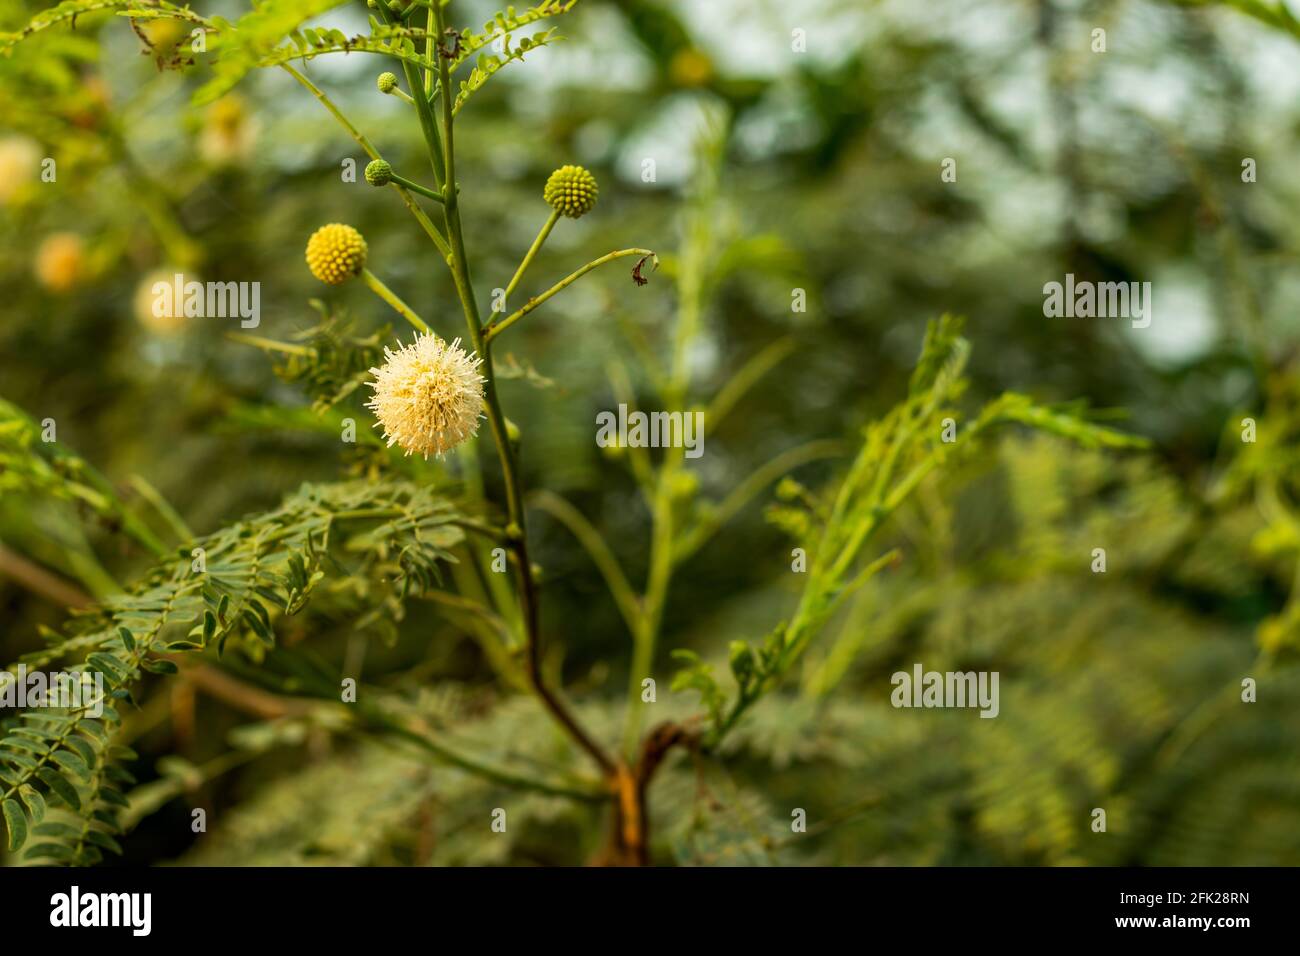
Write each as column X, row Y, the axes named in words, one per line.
column 428, row 395
column 387, row 82
column 571, row 190
column 336, row 253
column 379, row 172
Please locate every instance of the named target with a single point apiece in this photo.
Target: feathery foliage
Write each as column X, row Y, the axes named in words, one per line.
column 898, row 453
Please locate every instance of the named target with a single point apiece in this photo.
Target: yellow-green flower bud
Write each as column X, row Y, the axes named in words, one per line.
column 571, row 191
column 336, row 253
column 379, row 172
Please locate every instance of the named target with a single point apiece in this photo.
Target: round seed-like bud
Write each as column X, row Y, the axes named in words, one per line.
column 379, row 172
column 336, row 253
column 571, row 190
column 387, row 82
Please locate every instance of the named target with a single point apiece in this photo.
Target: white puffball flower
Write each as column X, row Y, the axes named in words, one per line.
column 428, row 395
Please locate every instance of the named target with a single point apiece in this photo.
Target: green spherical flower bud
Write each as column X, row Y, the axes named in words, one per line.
column 379, row 173
column 387, row 82
column 571, row 191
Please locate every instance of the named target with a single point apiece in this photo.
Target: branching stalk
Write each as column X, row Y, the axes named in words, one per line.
column 496, row 328
column 387, row 294
column 496, row 420
column 551, row 220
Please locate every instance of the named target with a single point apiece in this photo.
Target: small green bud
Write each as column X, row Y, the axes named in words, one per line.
column 379, row 172
column 387, row 82
column 512, row 432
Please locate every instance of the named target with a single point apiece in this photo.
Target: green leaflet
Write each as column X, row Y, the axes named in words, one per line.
column 15, row 822
column 61, row 787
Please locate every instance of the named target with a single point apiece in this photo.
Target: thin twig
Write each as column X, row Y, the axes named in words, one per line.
column 496, row 328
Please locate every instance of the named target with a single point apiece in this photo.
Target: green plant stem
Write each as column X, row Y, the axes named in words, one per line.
column 271, row 345
column 551, row 220
column 428, row 125
column 498, row 585
column 392, row 727
column 401, row 95
column 663, row 529
column 420, row 216
column 748, row 376
column 743, row 493
column 496, row 420
column 164, row 507
column 496, row 328
column 494, row 635
column 387, row 294
column 639, row 458
column 593, row 542
column 334, row 111
column 417, row 188
column 646, row 635
column 430, row 51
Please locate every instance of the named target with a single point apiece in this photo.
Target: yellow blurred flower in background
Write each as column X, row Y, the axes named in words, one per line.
column 20, row 158
column 165, row 35
column 161, row 315
column 60, row 261
column 229, row 132
column 690, row 67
